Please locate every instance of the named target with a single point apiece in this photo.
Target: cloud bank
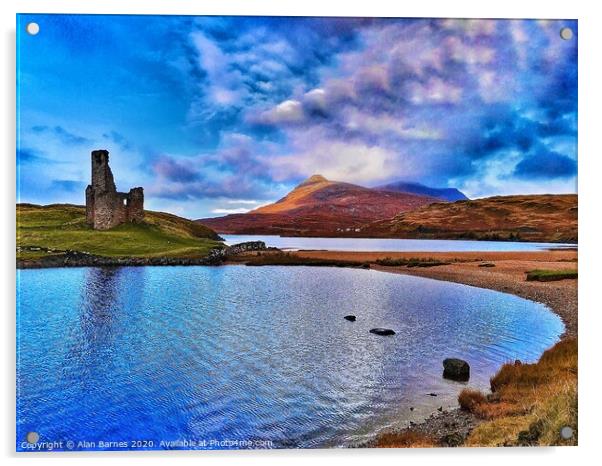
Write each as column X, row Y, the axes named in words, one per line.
column 210, row 110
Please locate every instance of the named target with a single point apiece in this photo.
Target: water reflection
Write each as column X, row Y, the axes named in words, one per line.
column 99, row 310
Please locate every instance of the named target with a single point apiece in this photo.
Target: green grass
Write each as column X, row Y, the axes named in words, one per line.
column 48, row 230
column 550, row 275
column 411, row 262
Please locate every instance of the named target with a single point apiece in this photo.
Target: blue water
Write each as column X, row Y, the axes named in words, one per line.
column 251, row 357
column 392, row 244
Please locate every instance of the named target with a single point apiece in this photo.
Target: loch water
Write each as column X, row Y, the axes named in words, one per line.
column 251, row 357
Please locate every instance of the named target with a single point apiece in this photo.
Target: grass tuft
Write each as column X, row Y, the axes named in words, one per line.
column 405, row 439
column 550, row 275
column 471, row 399
column 411, row 262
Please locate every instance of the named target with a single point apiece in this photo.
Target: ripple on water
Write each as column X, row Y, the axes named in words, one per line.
column 243, row 353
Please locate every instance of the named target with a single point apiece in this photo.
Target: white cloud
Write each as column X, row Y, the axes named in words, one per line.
column 435, row 90
column 316, row 98
column 289, row 111
column 243, row 201
column 229, row 211
column 354, row 162
column 385, row 123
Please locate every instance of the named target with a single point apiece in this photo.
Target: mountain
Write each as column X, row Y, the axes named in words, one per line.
column 542, row 218
column 320, row 207
column 445, row 194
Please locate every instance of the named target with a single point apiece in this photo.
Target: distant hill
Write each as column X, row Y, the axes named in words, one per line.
column 320, row 207
column 445, row 194
column 540, row 218
column 52, row 229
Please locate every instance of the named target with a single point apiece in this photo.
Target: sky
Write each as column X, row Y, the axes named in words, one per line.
column 218, row 115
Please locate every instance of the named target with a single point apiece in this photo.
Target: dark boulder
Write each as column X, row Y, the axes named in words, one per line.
column 382, row 331
column 350, row 318
column 456, row 369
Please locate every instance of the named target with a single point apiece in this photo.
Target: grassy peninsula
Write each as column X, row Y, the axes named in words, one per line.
column 51, row 230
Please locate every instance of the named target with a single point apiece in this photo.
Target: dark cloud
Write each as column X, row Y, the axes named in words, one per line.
column 507, row 129
column 173, row 170
column 230, row 187
column 542, row 163
column 68, row 185
column 29, row 155
column 61, row 133
column 237, row 170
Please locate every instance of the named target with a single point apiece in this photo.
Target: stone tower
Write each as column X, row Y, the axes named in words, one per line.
column 105, row 207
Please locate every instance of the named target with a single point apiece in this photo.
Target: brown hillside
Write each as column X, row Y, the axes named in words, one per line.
column 545, row 218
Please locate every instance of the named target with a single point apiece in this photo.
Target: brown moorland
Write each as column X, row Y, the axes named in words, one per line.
column 545, row 218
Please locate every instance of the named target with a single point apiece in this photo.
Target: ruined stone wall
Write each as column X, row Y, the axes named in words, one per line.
column 105, row 207
column 135, row 211
column 90, row 205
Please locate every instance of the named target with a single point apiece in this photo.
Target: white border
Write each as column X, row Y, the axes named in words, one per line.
column 590, row 198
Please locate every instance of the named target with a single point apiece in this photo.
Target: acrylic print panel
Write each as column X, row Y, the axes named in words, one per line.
column 258, row 232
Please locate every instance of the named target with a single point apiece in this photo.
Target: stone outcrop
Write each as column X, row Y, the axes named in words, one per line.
column 105, row 207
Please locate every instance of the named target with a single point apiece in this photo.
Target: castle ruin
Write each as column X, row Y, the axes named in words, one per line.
column 105, row 207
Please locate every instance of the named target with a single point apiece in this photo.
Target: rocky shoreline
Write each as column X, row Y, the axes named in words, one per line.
column 70, row 258
column 448, row 428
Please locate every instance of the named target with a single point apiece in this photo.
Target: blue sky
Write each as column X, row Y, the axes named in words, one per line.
column 215, row 115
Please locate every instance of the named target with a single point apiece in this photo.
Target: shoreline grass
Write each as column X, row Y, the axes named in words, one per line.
column 283, row 258
column 405, row 439
column 529, row 404
column 542, row 275
column 411, row 262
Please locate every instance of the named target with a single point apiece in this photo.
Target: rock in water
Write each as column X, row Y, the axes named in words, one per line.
column 456, row 369
column 382, row 331
column 350, row 318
